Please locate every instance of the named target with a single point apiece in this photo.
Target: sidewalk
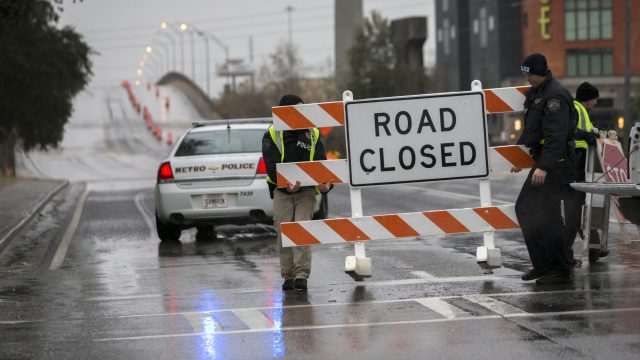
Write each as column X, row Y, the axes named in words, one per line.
column 20, row 200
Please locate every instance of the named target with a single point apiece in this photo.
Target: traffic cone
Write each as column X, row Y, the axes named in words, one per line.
column 169, row 138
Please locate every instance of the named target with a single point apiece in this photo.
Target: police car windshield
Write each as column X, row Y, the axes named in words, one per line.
column 221, row 142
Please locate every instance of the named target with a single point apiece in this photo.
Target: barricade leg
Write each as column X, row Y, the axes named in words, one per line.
column 588, row 204
column 359, row 265
column 487, row 256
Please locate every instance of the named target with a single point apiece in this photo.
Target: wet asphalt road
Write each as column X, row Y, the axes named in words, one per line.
column 117, row 293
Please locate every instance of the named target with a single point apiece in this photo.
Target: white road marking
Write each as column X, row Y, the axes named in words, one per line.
column 254, row 319
column 433, row 279
column 145, row 212
column 494, row 305
column 202, row 323
column 449, row 194
column 443, row 308
column 124, row 297
column 61, row 251
column 423, row 274
column 426, row 321
column 261, row 290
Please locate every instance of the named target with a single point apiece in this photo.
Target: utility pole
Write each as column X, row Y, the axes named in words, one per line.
column 289, row 9
column 204, row 37
column 193, row 58
column 251, row 61
column 627, row 68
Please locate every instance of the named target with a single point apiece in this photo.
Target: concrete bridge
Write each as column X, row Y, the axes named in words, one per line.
column 201, row 102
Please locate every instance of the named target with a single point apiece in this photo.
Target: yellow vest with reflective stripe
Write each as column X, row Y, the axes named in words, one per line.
column 278, row 138
column 584, row 123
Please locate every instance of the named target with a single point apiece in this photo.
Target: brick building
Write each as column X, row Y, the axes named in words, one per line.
column 583, row 40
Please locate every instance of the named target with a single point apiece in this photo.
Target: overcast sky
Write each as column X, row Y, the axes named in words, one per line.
column 121, row 29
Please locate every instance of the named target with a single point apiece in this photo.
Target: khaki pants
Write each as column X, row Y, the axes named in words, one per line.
column 295, row 262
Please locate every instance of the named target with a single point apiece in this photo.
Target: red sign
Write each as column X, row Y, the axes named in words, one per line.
column 615, row 163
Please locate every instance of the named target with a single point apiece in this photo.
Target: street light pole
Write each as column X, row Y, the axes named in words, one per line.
column 165, row 54
column 206, row 46
column 181, row 47
column 289, row 9
column 226, row 53
column 193, row 58
column 173, row 49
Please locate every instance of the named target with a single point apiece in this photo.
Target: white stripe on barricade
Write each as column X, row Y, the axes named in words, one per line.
column 379, row 227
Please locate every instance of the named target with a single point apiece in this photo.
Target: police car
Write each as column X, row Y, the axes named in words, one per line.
column 215, row 175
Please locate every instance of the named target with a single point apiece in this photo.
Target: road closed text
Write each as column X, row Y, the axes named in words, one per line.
column 414, row 139
column 446, row 154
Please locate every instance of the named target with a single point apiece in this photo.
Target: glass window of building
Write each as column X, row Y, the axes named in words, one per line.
column 484, row 36
column 587, row 19
column 589, row 62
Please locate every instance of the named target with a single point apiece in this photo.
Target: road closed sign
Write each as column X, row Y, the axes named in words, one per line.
column 417, row 139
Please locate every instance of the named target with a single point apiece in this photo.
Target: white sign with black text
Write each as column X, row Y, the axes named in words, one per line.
column 417, row 138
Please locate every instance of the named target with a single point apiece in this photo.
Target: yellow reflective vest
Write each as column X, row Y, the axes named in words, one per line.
column 278, row 139
column 584, row 123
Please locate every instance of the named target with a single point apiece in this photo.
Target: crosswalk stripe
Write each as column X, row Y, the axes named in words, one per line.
column 254, row 319
column 443, row 308
column 202, row 323
column 494, row 305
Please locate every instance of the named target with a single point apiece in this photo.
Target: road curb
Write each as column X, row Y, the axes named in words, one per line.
column 6, row 240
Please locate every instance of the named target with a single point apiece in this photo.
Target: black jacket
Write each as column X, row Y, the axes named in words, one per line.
column 549, row 115
column 297, row 147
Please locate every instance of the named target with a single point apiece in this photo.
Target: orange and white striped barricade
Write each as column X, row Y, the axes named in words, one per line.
column 405, row 225
column 332, row 114
column 313, row 173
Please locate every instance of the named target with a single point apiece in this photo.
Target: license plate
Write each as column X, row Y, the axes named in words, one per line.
column 214, row 201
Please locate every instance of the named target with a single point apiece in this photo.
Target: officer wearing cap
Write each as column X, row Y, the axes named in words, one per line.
column 295, row 202
column 586, row 98
column 549, row 122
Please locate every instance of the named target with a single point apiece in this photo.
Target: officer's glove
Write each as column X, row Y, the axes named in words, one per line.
column 591, row 138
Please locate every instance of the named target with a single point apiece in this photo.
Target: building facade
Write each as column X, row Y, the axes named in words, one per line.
column 478, row 40
column 453, row 70
column 584, row 40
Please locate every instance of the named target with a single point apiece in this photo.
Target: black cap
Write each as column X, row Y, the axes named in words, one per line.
column 290, row 99
column 535, row 64
column 587, row 92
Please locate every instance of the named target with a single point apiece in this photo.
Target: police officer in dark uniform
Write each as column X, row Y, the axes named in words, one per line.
column 549, row 124
column 295, row 202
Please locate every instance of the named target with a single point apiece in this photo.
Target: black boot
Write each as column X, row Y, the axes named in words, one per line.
column 288, row 284
column 301, row 284
column 554, row 278
column 533, row 274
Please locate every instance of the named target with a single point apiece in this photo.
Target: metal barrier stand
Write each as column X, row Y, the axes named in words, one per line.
column 487, row 256
column 357, row 266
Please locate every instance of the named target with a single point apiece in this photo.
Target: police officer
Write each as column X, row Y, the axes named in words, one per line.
column 586, row 98
column 294, row 203
column 549, row 122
